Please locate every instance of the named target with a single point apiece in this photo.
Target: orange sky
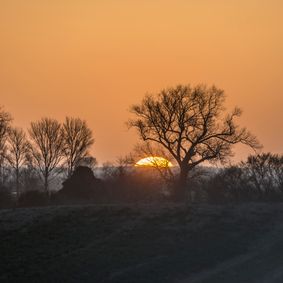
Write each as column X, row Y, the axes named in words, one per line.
column 94, row 58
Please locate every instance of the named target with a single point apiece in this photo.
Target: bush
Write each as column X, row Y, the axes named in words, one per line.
column 33, row 198
column 6, row 199
column 81, row 186
column 136, row 185
column 228, row 184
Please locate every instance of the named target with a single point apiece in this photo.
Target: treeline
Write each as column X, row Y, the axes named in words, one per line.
column 31, row 160
column 259, row 178
column 50, row 151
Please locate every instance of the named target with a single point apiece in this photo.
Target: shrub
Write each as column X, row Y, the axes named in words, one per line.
column 33, row 198
column 82, row 185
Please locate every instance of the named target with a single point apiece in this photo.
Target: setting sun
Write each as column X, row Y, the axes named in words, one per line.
column 154, row 161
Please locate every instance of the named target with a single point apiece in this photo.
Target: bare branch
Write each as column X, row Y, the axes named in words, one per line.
column 46, row 147
column 77, row 141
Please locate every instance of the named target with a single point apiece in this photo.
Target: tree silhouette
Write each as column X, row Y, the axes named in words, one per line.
column 188, row 122
column 46, row 147
column 5, row 121
column 88, row 161
column 264, row 172
column 77, row 141
column 82, row 184
column 18, row 150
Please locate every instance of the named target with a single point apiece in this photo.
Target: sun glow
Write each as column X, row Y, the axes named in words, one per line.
column 154, row 161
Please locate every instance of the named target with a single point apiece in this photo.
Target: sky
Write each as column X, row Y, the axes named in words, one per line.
column 95, row 58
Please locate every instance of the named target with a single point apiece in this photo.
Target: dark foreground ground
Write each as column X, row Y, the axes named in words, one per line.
column 202, row 243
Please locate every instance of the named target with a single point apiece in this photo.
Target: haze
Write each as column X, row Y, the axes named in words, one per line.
column 93, row 59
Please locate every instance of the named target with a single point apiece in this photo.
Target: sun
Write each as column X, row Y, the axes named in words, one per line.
column 154, row 161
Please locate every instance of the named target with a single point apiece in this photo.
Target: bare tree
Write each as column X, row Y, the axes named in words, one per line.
column 264, row 172
column 88, row 161
column 31, row 179
column 4, row 170
column 77, row 141
column 46, row 147
column 18, row 148
column 188, row 122
column 5, row 121
column 123, row 165
column 108, row 170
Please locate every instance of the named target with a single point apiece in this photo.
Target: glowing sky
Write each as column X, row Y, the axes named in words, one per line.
column 94, row 58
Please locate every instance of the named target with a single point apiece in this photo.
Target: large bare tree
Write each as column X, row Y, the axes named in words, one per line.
column 77, row 141
column 18, row 148
column 46, row 147
column 189, row 123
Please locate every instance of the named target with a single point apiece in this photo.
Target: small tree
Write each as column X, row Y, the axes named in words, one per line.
column 77, row 141
column 46, row 147
column 5, row 122
column 31, row 179
column 264, row 172
column 188, row 122
column 88, row 161
column 4, row 168
column 18, row 150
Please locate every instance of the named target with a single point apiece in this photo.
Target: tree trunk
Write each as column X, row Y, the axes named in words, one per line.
column 46, row 182
column 181, row 186
column 17, row 185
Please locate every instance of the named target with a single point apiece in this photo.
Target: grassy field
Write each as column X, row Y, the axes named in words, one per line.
column 142, row 243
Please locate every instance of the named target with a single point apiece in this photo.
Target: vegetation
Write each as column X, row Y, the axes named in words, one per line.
column 183, row 124
column 19, row 147
column 77, row 139
column 141, row 243
column 189, row 123
column 128, row 226
column 47, row 146
column 28, row 163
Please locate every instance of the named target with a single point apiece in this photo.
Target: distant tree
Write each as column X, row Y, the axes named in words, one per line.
column 5, row 123
column 5, row 120
column 188, row 122
column 229, row 183
column 18, row 148
column 108, row 170
column 31, row 177
column 88, row 161
column 77, row 141
column 264, row 172
column 3, row 162
column 120, row 169
column 46, row 147
column 123, row 165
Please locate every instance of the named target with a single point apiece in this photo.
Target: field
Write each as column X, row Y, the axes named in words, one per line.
column 142, row 243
